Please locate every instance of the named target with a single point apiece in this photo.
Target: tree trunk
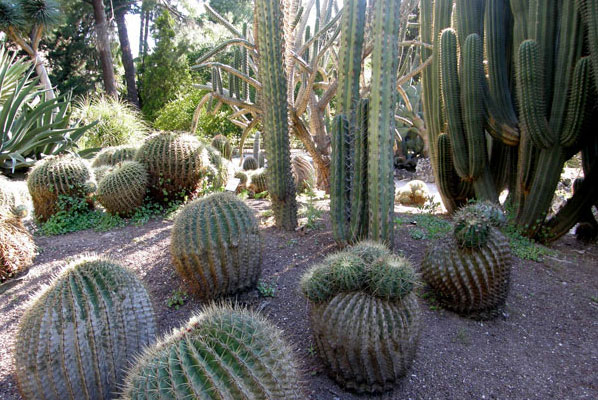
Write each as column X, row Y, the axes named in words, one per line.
column 44, row 79
column 104, row 47
column 127, row 56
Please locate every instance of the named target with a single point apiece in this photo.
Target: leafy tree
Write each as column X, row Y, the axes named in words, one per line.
column 240, row 10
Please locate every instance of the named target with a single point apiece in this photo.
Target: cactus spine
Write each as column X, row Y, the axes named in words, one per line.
column 75, row 339
column 114, row 155
column 275, row 119
column 123, row 190
column 17, row 248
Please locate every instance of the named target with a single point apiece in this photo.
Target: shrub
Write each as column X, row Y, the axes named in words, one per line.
column 177, row 115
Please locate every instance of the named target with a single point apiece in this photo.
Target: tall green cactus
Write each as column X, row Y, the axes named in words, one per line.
column 276, row 118
column 535, row 120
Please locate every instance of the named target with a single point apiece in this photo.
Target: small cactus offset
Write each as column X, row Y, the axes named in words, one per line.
column 250, row 163
column 216, row 246
column 365, row 316
column 258, row 181
column 123, row 189
column 303, row 173
column 221, row 353
column 17, row 248
column 470, row 273
column 114, row 155
column 58, row 175
column 172, row 163
column 222, row 144
column 76, row 338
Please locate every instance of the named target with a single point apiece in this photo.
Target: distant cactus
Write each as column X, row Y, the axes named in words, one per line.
column 216, row 246
column 172, row 163
column 303, row 173
column 58, row 175
column 414, row 193
column 123, row 189
column 14, row 198
column 364, row 315
column 261, row 160
column 249, row 163
column 256, row 145
column 242, row 177
column 216, row 169
column 17, row 248
column 226, row 353
column 258, row 181
column 222, row 144
column 114, row 155
column 77, row 337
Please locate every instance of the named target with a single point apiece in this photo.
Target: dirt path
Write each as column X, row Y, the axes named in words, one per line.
column 546, row 347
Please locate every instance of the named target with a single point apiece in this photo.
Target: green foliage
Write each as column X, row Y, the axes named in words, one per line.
column 177, row 114
column 428, row 226
column 118, row 123
column 177, row 299
column 524, row 247
column 267, row 289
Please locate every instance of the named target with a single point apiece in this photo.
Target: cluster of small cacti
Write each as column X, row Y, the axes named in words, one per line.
column 304, row 173
column 222, row 144
column 470, row 272
column 17, row 248
column 216, row 245
column 54, row 176
column 365, row 315
column 236, row 354
column 250, row 163
column 123, row 190
column 114, row 155
column 93, row 320
column 414, row 193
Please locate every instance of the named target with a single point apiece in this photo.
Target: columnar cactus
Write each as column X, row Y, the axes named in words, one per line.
column 114, row 155
column 123, row 189
column 250, row 163
column 216, row 246
column 58, row 175
column 220, row 353
column 304, row 173
column 222, row 144
column 275, row 118
column 256, row 145
column 470, row 272
column 80, row 333
column 17, row 248
column 172, row 163
column 365, row 316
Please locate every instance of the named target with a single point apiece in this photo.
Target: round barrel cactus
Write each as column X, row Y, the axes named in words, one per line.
column 250, row 163
column 222, row 144
column 77, row 337
column 258, row 181
column 53, row 176
column 123, row 189
column 173, row 164
column 470, row 272
column 364, row 315
column 14, row 198
column 304, row 173
column 17, row 248
column 216, row 245
column 221, row 353
column 114, row 155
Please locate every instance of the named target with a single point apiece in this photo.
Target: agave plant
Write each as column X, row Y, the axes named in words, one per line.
column 32, row 123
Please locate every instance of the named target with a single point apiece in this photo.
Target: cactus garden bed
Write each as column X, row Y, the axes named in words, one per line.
column 544, row 346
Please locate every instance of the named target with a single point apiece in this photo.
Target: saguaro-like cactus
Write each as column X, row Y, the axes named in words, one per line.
column 123, row 189
column 220, row 353
column 75, row 340
column 275, row 112
column 216, row 245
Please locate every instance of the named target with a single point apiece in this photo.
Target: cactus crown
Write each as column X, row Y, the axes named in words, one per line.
column 114, row 155
column 367, row 267
column 473, row 222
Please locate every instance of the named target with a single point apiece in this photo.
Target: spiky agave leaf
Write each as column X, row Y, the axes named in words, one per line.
column 40, row 12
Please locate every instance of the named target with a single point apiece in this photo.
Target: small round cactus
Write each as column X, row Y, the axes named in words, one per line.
column 222, row 144
column 221, row 353
column 114, row 155
column 414, row 193
column 17, row 248
column 76, row 338
column 258, row 181
column 250, row 163
column 364, row 315
column 123, row 189
column 304, row 173
column 483, row 211
column 58, row 175
column 14, row 199
column 216, row 245
column 173, row 164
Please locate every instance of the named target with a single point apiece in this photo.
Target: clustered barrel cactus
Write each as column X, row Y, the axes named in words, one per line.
column 222, row 144
column 124, row 189
column 76, row 338
column 520, row 72
column 470, row 272
column 53, row 176
column 365, row 316
column 216, row 246
column 114, row 155
column 362, row 186
column 221, row 353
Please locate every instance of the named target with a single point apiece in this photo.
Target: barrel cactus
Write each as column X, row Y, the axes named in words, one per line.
column 364, row 315
column 14, row 198
column 250, row 163
column 222, row 144
column 54, row 176
column 216, row 169
column 114, row 155
column 225, row 353
column 303, row 173
column 172, row 163
column 470, row 272
column 17, row 248
column 123, row 189
column 258, row 182
column 75, row 339
column 216, row 246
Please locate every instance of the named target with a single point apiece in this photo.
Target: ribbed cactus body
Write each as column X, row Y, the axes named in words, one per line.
column 216, row 169
column 100, row 172
column 124, row 189
column 79, row 335
column 17, row 248
column 114, row 155
column 222, row 144
column 172, row 163
column 14, row 198
column 58, row 175
column 258, row 181
column 304, row 173
column 219, row 354
column 216, row 246
column 250, row 163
